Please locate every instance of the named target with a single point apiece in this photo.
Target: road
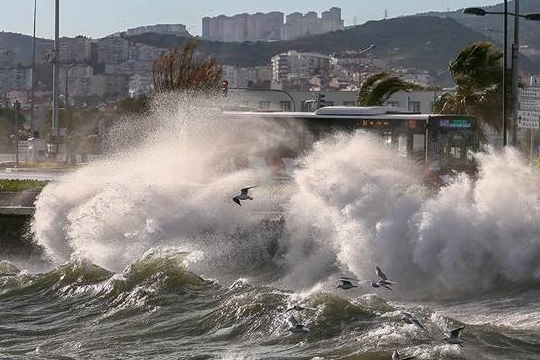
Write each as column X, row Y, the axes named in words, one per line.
column 28, row 174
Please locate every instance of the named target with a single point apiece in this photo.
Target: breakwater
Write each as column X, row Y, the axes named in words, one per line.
column 16, row 210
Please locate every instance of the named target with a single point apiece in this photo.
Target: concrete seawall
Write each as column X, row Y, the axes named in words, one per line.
column 16, row 211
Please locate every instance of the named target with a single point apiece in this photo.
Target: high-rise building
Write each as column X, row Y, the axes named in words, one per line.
column 243, row 27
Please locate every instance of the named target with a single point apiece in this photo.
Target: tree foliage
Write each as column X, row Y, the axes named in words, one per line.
column 477, row 73
column 378, row 88
column 186, row 69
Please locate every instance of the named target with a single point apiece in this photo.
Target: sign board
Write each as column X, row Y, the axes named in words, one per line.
column 528, row 119
column 23, row 148
column 529, row 103
column 529, row 108
column 529, row 92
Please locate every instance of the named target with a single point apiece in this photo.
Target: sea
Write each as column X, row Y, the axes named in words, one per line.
column 144, row 255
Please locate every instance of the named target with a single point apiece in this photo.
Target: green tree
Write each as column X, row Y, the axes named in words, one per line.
column 378, row 88
column 477, row 73
column 186, row 70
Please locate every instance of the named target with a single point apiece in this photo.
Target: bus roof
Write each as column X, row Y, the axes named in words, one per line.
column 343, row 112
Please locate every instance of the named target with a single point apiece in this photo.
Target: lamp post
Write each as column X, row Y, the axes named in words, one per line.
column 66, row 94
column 17, row 108
column 515, row 54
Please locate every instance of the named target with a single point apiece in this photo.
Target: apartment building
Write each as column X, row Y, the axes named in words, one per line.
column 243, row 27
column 299, row 25
column 74, row 50
column 270, row 26
column 294, row 64
column 113, row 50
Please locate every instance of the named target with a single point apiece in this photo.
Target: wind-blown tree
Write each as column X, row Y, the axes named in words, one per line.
column 186, row 69
column 378, row 88
column 477, row 73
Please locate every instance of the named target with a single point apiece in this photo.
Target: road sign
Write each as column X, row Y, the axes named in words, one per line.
column 529, row 92
column 528, row 119
column 529, row 103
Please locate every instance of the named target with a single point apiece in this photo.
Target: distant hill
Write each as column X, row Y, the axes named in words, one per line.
column 491, row 25
column 421, row 42
column 426, row 41
column 21, row 45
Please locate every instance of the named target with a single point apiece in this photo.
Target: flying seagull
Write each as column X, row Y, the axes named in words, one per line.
column 454, row 336
column 297, row 328
column 411, row 319
column 383, row 276
column 396, row 356
column 243, row 195
column 345, row 283
column 384, row 284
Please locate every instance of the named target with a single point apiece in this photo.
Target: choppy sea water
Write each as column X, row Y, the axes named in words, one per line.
column 144, row 255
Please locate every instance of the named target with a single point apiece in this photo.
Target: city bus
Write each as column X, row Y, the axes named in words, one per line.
column 444, row 143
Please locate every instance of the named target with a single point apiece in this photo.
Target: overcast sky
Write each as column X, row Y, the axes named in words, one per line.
column 98, row 18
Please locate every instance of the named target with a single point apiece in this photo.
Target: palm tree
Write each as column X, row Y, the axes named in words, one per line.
column 378, row 88
column 477, row 74
column 186, row 70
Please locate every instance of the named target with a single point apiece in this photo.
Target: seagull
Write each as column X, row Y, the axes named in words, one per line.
column 299, row 308
column 345, row 283
column 383, row 276
column 454, row 336
column 378, row 284
column 297, row 328
column 243, row 195
column 396, row 356
column 411, row 319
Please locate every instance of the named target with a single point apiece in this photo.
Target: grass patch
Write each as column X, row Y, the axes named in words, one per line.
column 22, row 185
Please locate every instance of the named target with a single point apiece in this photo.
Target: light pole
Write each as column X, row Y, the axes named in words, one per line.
column 32, row 93
column 66, row 94
column 17, row 108
column 515, row 54
column 55, row 128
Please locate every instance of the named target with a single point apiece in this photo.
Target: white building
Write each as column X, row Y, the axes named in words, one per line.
column 245, row 77
column 298, row 25
column 243, row 27
column 294, row 64
column 140, row 85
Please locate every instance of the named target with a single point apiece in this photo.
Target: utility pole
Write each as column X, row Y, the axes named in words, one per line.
column 515, row 75
column 17, row 106
column 55, row 128
column 32, row 93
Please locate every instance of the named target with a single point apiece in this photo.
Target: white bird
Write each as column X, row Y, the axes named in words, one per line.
column 454, row 336
column 297, row 328
column 411, row 319
column 243, row 195
column 299, row 308
column 345, row 283
column 396, row 356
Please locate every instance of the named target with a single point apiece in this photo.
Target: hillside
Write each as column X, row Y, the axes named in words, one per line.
column 491, row 25
column 422, row 42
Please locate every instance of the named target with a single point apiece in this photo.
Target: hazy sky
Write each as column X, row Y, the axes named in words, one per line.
column 98, row 18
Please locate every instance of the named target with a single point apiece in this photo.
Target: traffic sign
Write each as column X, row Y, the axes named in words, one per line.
column 529, row 92
column 528, row 119
column 529, row 103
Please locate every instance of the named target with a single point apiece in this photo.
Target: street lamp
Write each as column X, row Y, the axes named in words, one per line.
column 66, row 94
column 515, row 48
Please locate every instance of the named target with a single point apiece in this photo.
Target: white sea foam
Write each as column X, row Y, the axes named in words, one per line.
column 353, row 204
